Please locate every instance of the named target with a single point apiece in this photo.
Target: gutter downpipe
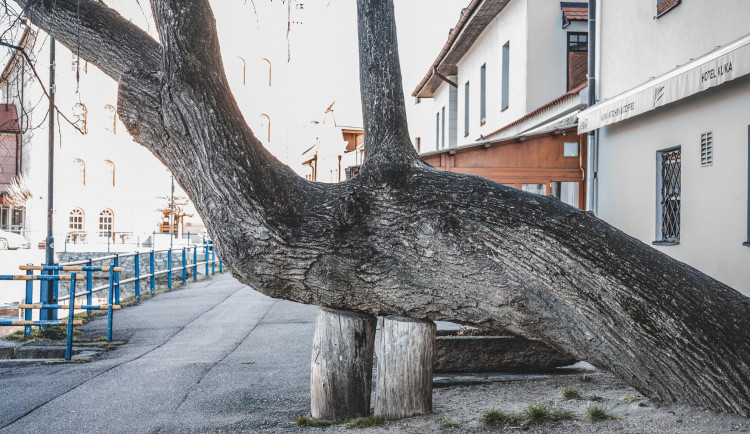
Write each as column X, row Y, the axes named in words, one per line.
column 592, row 142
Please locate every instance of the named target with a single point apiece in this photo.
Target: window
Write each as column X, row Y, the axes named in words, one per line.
column 80, row 170
column 483, row 94
column 578, row 59
column 669, row 196
column 106, row 222
column 80, row 115
column 506, row 76
column 110, row 170
column 466, row 109
column 76, row 220
column 442, row 127
column 707, row 149
column 664, row 6
column 437, row 131
column 111, row 116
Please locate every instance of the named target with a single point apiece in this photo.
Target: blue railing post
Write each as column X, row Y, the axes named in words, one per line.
column 117, row 279
column 205, row 254
column 55, row 294
column 109, row 303
column 71, row 307
column 29, row 300
column 89, row 285
column 137, row 265
column 213, row 259
column 184, row 266
column 109, row 234
column 195, row 262
column 169, row 268
column 151, row 269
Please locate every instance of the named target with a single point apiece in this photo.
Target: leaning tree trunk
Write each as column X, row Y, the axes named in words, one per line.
column 401, row 238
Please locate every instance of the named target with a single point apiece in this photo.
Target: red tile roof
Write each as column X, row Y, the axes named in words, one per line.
column 576, row 13
column 665, row 6
column 547, row 106
column 9, row 119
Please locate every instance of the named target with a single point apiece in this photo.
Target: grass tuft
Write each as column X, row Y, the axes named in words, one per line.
column 366, row 422
column 628, row 398
column 308, row 421
column 493, row 417
column 598, row 413
column 569, row 393
column 37, row 335
column 447, row 423
column 584, row 378
column 538, row 413
column 595, row 397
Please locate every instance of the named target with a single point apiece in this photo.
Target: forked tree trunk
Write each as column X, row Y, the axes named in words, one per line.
column 341, row 366
column 401, row 238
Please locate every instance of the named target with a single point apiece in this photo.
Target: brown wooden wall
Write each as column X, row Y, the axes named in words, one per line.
column 536, row 160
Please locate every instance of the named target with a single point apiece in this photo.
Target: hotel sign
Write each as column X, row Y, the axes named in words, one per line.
column 709, row 71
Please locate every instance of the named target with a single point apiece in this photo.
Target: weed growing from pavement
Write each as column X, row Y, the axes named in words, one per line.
column 37, row 335
column 308, row 421
column 494, row 417
column 598, row 413
column 584, row 378
column 534, row 414
column 447, row 423
column 365, row 422
column 628, row 398
column 571, row 393
column 595, row 397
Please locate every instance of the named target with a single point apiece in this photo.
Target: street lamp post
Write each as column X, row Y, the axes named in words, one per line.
column 171, row 214
column 48, row 287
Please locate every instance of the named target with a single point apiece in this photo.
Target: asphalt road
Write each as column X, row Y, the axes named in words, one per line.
column 214, row 356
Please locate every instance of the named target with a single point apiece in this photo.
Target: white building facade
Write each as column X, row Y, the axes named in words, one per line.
column 673, row 122
column 503, row 60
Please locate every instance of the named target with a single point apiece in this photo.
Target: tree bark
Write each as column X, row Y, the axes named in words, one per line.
column 341, row 367
column 406, row 350
column 402, row 238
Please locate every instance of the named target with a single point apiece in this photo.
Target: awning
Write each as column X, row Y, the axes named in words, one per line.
column 719, row 66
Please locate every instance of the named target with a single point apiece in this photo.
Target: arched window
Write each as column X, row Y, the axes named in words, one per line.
column 80, row 169
column 265, row 125
column 110, row 170
column 76, row 220
column 81, row 114
column 269, row 70
column 111, row 117
column 106, row 222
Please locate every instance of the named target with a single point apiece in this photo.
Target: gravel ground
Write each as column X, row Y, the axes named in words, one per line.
column 463, row 405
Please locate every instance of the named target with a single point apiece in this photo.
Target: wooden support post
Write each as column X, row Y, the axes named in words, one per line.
column 341, row 367
column 404, row 374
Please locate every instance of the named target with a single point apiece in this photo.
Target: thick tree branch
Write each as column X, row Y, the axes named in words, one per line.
column 387, row 140
column 98, row 33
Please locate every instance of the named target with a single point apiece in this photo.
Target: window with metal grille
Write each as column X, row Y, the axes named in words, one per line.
column 106, row 222
column 670, row 195
column 75, row 220
column 707, row 149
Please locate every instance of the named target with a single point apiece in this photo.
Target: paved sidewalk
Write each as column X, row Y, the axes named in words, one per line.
column 213, row 356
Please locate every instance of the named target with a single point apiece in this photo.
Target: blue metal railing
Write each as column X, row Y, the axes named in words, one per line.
column 110, row 263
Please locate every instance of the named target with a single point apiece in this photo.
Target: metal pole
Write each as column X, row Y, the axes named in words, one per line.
column 71, row 306
column 137, row 265
column 171, row 218
column 184, row 266
column 151, row 270
column 592, row 180
column 195, row 263
column 29, row 300
column 117, row 279
column 49, row 249
column 89, row 285
column 169, row 268
column 109, row 303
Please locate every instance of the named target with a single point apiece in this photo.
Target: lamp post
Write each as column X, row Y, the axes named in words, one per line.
column 48, row 287
column 171, row 215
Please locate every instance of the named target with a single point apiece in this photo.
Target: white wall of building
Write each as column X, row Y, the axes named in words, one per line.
column 509, row 26
column 636, row 46
column 713, row 217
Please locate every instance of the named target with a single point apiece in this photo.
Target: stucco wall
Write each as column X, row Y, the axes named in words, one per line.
column 636, row 46
column 714, row 198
